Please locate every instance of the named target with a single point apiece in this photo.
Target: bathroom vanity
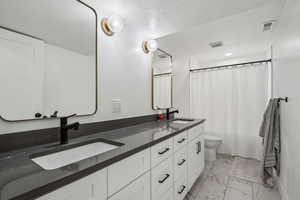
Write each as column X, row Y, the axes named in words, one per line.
column 158, row 160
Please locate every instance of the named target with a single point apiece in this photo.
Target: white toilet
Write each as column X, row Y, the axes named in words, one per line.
column 211, row 145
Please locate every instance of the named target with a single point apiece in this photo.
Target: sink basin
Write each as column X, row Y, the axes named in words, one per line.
column 69, row 156
column 182, row 121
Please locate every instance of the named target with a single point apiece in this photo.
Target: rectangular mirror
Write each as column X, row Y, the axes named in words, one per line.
column 162, row 79
column 48, row 59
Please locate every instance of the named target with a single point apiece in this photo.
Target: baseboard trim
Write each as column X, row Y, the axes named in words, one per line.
column 283, row 192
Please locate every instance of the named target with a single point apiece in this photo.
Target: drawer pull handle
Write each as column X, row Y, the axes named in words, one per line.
column 182, row 189
column 181, row 141
column 199, row 147
column 164, row 151
column 164, row 179
column 181, row 163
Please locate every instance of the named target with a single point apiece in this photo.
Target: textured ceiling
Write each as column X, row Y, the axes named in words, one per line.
column 241, row 34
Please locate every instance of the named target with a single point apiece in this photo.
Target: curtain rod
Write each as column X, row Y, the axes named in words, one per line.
column 238, row 64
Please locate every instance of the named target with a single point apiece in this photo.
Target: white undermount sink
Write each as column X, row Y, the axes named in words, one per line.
column 69, row 156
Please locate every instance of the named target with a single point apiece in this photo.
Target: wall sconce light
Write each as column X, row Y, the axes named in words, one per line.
column 112, row 25
column 150, row 46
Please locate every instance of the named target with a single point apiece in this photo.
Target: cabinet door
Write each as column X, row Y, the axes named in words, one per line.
column 137, row 190
column 125, row 171
column 195, row 132
column 92, row 187
column 202, row 153
column 195, row 160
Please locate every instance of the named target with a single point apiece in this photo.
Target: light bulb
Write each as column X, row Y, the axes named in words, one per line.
column 115, row 24
column 111, row 25
column 150, row 46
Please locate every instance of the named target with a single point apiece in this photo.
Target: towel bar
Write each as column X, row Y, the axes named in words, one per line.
column 286, row 99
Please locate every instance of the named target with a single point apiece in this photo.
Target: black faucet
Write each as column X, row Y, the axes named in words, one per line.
column 64, row 127
column 168, row 113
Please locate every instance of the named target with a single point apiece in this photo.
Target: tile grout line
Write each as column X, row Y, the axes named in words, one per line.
column 226, row 188
column 245, row 179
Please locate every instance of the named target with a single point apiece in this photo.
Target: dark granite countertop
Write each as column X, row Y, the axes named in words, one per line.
column 22, row 179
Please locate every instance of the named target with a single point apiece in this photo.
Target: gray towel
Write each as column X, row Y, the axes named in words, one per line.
column 270, row 132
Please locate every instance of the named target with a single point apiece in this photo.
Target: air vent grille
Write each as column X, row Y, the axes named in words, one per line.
column 268, row 26
column 216, row 44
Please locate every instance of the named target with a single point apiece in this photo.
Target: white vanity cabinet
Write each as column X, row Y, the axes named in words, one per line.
column 92, row 187
column 195, row 159
column 165, row 171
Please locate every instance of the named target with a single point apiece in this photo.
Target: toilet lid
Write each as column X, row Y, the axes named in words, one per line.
column 211, row 137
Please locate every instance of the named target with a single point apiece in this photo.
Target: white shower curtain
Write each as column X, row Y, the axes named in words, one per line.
column 233, row 101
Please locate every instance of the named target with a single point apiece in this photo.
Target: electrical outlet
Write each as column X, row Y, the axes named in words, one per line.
column 116, row 106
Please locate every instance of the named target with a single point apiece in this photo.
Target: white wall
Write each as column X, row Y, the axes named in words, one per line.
column 123, row 67
column 286, row 53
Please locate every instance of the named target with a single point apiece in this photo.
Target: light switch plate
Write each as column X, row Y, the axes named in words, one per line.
column 116, row 106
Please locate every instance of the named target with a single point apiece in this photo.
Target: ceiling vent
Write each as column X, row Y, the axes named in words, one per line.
column 216, row 44
column 268, row 25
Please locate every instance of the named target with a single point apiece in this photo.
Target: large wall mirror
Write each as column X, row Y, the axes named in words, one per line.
column 48, row 62
column 162, row 79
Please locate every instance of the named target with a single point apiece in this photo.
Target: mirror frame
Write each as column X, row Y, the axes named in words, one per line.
column 152, row 81
column 96, row 69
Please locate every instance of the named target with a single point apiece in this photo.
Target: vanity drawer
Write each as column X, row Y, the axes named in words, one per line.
column 125, row 171
column 180, row 163
column 161, row 151
column 180, row 141
column 162, row 178
column 195, row 132
column 180, row 188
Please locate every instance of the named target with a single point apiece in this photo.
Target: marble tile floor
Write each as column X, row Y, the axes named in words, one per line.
column 231, row 178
